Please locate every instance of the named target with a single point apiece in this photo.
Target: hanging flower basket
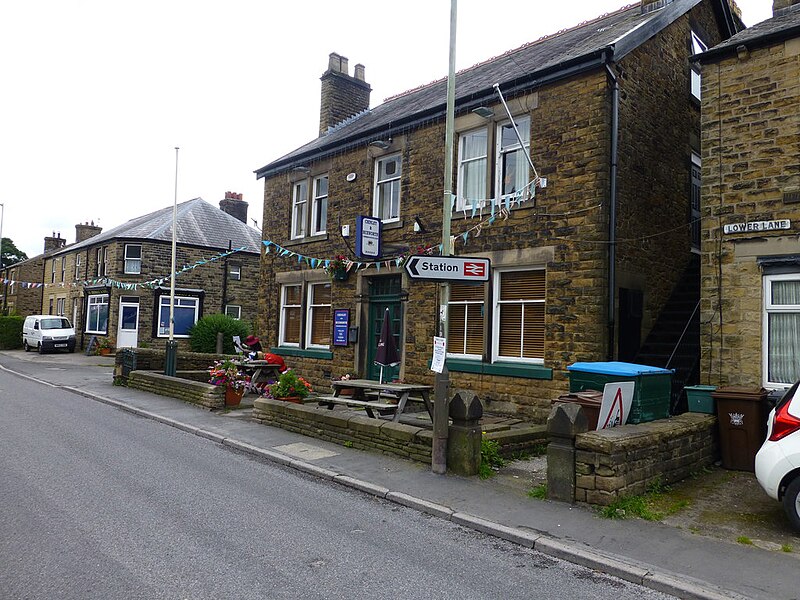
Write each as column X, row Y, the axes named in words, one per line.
column 338, row 268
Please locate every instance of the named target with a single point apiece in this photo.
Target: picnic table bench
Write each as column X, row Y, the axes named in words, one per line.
column 376, row 396
column 261, row 372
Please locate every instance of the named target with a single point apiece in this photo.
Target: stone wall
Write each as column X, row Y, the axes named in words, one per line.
column 203, row 394
column 387, row 437
column 751, row 172
column 151, row 359
column 342, row 427
column 625, row 461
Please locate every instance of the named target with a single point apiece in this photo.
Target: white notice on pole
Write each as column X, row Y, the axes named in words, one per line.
column 437, row 364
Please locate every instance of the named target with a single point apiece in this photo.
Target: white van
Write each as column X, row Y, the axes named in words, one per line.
column 47, row 332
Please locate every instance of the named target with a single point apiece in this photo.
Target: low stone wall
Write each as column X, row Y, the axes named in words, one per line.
column 150, row 359
column 342, row 427
column 200, row 393
column 625, row 461
column 519, row 440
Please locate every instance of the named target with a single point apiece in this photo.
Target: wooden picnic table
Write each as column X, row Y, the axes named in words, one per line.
column 261, row 372
column 374, row 395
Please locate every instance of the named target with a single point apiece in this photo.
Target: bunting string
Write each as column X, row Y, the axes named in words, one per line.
column 124, row 285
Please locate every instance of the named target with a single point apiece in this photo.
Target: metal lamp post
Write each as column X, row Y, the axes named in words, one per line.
column 442, row 380
column 171, row 357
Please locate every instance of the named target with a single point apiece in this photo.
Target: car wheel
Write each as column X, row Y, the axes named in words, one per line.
column 791, row 502
column 25, row 346
column 41, row 348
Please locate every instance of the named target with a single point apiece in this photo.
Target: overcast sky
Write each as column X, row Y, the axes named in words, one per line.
column 96, row 94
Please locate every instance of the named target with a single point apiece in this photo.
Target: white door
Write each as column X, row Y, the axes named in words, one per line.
column 128, row 330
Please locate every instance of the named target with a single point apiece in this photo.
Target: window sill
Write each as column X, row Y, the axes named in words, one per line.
column 460, row 365
column 304, row 352
column 392, row 225
column 306, row 240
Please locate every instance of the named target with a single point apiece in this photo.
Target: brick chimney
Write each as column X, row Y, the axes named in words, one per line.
column 54, row 242
column 650, row 5
column 342, row 95
column 234, row 206
column 781, row 7
column 83, row 231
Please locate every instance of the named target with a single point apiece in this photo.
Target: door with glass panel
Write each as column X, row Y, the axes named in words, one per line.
column 384, row 293
column 128, row 329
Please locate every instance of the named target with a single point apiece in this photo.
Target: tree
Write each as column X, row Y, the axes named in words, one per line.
column 11, row 254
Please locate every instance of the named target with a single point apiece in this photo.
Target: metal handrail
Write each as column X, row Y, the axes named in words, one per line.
column 680, row 339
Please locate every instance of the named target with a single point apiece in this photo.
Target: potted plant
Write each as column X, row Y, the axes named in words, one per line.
column 227, row 373
column 104, row 346
column 337, row 268
column 290, row 387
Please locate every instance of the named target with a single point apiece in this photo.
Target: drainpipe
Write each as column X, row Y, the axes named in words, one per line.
column 225, row 279
column 612, row 211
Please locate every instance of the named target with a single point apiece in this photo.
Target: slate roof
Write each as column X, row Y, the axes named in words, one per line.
column 199, row 224
column 552, row 57
column 776, row 29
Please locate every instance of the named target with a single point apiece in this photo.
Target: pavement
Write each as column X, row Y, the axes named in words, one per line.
column 660, row 556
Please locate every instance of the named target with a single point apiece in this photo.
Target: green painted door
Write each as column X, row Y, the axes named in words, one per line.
column 384, row 292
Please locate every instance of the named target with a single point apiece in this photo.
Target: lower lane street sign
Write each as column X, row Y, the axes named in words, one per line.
column 448, row 268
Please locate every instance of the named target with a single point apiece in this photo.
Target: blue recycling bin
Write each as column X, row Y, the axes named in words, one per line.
column 651, row 395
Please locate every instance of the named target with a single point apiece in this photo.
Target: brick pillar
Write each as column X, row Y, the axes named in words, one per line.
column 464, row 435
column 564, row 423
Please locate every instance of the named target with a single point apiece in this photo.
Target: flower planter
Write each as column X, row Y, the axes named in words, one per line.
column 348, row 392
column 293, row 399
column 232, row 396
column 341, row 274
column 104, row 351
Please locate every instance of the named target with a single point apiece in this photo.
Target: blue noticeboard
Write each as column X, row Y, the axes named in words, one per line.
column 368, row 237
column 341, row 323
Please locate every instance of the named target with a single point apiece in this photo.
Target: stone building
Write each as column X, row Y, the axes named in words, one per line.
column 22, row 282
column 115, row 284
column 751, row 205
column 586, row 247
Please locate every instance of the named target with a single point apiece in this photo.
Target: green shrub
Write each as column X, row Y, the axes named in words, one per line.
column 11, row 332
column 490, row 458
column 203, row 335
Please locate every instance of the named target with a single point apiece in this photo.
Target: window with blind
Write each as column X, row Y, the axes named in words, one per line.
column 519, row 302
column 781, row 329
column 465, row 327
column 318, row 330
column 291, row 315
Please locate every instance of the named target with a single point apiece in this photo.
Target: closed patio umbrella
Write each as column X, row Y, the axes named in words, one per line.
column 387, row 355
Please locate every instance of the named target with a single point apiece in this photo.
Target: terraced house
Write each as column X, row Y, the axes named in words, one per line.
column 587, row 244
column 115, row 284
column 751, row 204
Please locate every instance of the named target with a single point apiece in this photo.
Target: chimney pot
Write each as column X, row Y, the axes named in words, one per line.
column 359, row 72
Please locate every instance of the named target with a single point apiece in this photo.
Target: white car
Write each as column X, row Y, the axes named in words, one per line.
column 778, row 460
